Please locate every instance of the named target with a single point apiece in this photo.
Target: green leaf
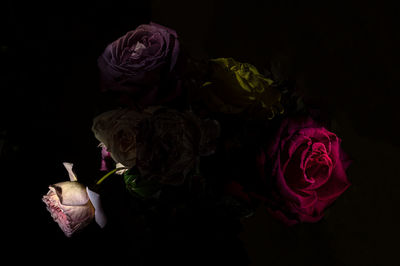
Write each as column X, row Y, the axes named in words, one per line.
column 138, row 186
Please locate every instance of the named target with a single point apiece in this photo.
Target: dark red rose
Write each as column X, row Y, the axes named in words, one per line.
column 308, row 171
column 139, row 64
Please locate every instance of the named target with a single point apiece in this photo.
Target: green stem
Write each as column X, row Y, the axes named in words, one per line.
column 108, row 174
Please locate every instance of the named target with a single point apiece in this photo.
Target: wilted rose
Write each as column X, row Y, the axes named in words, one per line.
column 72, row 205
column 69, row 205
column 141, row 63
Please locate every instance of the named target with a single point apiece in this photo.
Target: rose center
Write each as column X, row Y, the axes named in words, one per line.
column 318, row 166
column 137, row 50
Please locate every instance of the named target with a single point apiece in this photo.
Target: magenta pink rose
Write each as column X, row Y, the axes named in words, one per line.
column 141, row 65
column 308, row 172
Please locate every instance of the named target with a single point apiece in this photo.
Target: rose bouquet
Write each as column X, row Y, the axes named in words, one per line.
column 241, row 138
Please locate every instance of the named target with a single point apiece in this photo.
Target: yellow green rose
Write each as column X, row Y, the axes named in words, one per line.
column 235, row 87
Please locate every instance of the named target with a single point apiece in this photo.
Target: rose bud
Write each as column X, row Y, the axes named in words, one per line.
column 70, row 205
column 105, row 158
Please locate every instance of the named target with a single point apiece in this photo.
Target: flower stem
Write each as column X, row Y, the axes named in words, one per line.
column 108, row 174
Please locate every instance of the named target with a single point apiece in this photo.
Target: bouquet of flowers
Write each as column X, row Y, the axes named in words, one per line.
column 188, row 132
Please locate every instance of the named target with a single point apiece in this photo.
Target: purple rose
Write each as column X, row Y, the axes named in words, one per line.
column 308, row 171
column 141, row 64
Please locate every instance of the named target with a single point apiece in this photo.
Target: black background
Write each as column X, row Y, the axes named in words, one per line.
column 344, row 58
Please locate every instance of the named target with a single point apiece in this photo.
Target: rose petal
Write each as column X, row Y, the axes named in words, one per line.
column 71, row 174
column 175, row 49
column 335, row 186
column 320, row 135
column 300, row 198
column 69, row 218
column 78, row 214
column 317, row 167
column 70, row 193
column 99, row 214
column 293, row 168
